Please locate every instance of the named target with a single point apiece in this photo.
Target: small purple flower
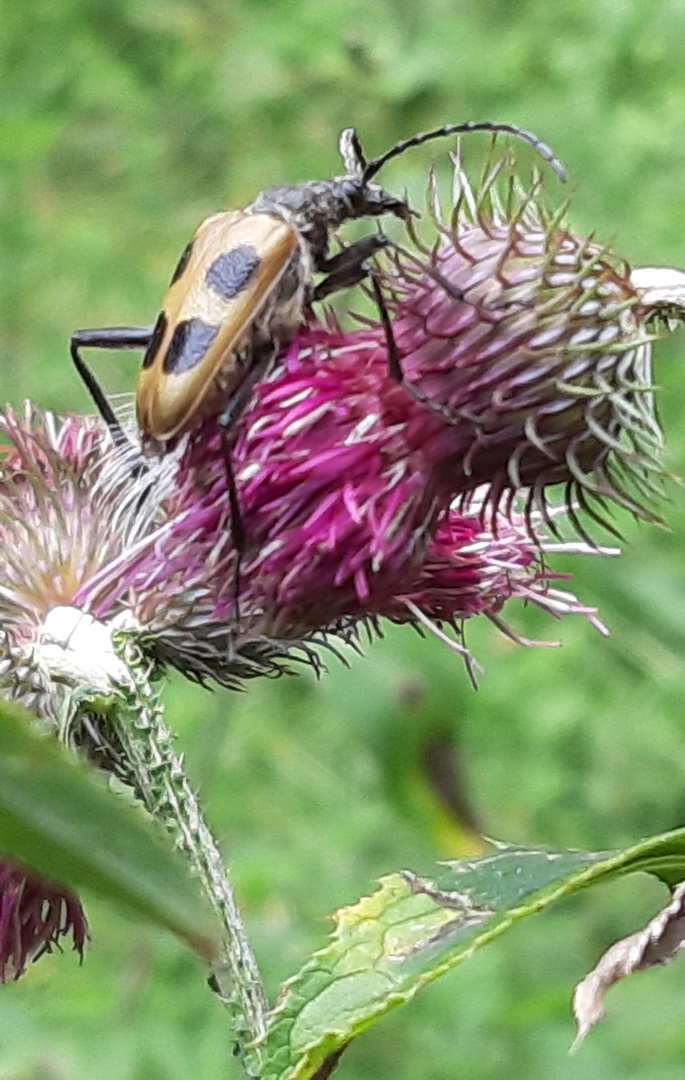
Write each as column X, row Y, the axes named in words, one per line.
column 34, row 916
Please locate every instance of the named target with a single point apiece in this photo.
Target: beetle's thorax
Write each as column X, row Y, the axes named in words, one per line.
column 318, row 207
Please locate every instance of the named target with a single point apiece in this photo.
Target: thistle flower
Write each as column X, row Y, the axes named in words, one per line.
column 346, row 509
column 68, row 505
column 530, row 341
column 526, row 365
column 34, row 916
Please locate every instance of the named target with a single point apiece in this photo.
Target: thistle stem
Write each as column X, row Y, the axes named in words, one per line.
column 159, row 781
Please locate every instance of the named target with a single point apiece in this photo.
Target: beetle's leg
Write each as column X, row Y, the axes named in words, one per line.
column 262, row 359
column 238, row 531
column 113, row 337
column 394, row 361
column 349, row 266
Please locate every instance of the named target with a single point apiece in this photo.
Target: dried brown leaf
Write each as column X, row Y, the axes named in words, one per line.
column 657, row 943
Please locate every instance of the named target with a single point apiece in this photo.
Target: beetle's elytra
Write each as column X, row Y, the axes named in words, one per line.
column 221, row 306
column 241, row 287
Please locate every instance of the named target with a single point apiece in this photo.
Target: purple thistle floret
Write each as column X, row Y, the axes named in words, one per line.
column 34, row 916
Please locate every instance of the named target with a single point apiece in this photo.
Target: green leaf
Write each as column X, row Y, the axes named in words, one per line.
column 388, row 946
column 58, row 817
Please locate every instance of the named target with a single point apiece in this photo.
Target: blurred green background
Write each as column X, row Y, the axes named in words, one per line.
column 123, row 123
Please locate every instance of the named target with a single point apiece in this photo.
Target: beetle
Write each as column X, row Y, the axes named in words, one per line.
column 243, row 284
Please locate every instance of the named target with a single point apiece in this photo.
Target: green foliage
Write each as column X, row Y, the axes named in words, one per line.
column 122, row 124
column 390, row 945
column 58, row 818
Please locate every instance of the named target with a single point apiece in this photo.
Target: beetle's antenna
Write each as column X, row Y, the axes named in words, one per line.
column 545, row 151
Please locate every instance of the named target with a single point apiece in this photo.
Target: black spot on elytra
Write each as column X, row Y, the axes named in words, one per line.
column 230, row 272
column 189, row 345
column 181, row 264
column 157, row 334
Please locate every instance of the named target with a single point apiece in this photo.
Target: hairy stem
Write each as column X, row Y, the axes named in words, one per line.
column 159, row 781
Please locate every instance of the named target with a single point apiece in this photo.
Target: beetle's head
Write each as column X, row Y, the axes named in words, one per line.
column 363, row 199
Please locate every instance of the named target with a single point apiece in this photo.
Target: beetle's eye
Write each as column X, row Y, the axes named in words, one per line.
column 351, row 191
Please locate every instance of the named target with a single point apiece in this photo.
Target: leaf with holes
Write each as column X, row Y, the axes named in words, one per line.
column 388, row 946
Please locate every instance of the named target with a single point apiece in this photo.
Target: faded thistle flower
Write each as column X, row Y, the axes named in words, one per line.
column 68, row 506
column 60, row 520
column 34, row 916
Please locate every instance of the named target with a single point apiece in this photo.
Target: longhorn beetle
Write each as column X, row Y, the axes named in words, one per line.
column 241, row 287
column 239, row 292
